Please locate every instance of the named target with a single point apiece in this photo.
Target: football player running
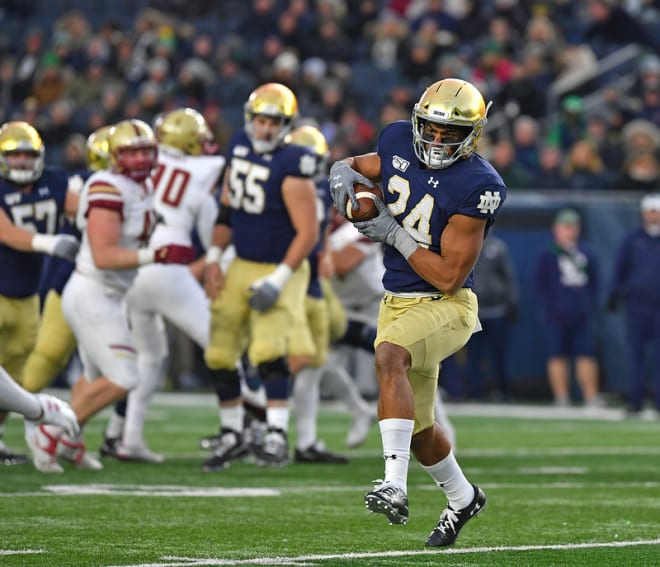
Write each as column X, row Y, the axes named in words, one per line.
column 56, row 343
column 185, row 181
column 440, row 199
column 268, row 211
column 116, row 218
column 34, row 200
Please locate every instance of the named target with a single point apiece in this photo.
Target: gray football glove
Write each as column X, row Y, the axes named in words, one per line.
column 342, row 178
column 66, row 246
column 384, row 228
column 266, row 290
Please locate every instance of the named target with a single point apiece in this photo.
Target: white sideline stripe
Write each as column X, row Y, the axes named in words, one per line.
column 187, row 491
column 169, row 561
column 21, row 551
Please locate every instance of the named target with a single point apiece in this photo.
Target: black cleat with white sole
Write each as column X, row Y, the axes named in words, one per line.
column 451, row 521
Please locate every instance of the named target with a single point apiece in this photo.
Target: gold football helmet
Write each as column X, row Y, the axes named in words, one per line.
column 185, row 130
column 459, row 109
column 98, row 156
column 274, row 100
column 19, row 137
column 313, row 139
column 131, row 135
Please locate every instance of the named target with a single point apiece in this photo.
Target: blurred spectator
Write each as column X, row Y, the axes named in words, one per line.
column 640, row 172
column 640, row 136
column 571, row 124
column 526, row 141
column 606, row 140
column 584, row 169
column 612, row 27
column 75, row 154
column 503, row 157
column 636, row 284
column 550, row 169
column 566, row 282
column 496, row 286
column 50, row 83
column 27, row 64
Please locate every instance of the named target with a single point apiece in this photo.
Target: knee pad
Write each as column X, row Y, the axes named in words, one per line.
column 275, row 376
column 226, row 383
column 273, row 369
column 359, row 334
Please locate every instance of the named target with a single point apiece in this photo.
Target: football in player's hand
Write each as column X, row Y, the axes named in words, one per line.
column 366, row 197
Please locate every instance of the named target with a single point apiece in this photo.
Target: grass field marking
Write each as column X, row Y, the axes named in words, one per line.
column 170, row 561
column 21, row 551
column 168, row 490
column 219, row 492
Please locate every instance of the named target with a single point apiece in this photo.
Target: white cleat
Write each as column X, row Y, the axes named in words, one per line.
column 359, row 430
column 43, row 446
column 73, row 450
column 138, row 454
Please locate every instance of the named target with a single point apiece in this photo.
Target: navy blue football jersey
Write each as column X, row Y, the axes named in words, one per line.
column 424, row 199
column 39, row 210
column 261, row 228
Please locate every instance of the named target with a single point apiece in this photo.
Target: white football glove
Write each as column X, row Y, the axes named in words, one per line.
column 342, row 178
column 62, row 245
column 266, row 290
column 57, row 412
column 384, row 228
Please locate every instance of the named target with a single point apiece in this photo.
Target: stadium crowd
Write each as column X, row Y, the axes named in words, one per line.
column 355, row 66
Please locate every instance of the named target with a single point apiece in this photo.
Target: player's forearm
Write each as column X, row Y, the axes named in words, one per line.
column 300, row 248
column 445, row 274
column 116, row 258
column 16, row 238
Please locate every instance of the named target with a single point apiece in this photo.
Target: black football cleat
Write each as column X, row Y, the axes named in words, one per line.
column 109, row 447
column 9, row 458
column 451, row 521
column 389, row 500
column 231, row 445
column 317, row 453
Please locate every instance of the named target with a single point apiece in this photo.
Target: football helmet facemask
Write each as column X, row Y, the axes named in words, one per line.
column 185, row 129
column 20, row 138
column 313, row 139
column 98, row 156
column 448, row 121
column 275, row 101
column 124, row 139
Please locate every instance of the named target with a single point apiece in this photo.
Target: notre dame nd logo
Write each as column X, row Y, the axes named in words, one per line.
column 489, row 202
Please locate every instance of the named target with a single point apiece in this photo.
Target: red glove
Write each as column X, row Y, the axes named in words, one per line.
column 174, row 254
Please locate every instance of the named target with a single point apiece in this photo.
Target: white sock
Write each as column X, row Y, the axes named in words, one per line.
column 231, row 417
column 151, row 370
column 115, row 427
column 396, row 435
column 306, row 393
column 277, row 417
column 17, row 399
column 448, row 475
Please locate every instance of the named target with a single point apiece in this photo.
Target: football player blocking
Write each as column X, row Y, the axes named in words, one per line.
column 439, row 199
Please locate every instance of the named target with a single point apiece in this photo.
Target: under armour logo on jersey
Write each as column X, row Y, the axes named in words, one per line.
column 489, row 202
column 43, row 191
column 433, row 181
column 400, row 163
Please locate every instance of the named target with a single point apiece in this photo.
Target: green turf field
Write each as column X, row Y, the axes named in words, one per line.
column 560, row 492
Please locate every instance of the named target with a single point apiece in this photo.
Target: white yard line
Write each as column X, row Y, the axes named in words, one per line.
column 319, row 559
